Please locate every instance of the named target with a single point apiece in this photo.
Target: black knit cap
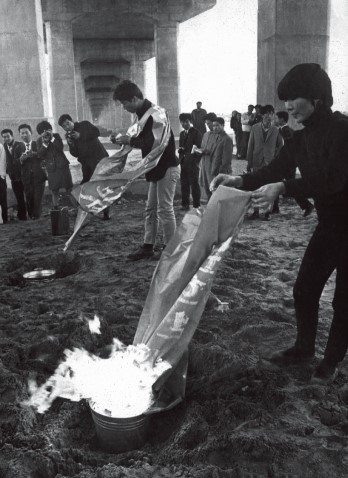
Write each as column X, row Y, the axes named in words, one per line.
column 307, row 80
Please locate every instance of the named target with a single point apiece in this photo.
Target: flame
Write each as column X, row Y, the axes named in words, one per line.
column 119, row 386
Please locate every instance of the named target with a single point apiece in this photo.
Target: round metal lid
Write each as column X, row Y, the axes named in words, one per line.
column 39, row 274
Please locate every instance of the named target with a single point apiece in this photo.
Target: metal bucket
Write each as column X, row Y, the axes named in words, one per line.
column 118, row 435
column 60, row 221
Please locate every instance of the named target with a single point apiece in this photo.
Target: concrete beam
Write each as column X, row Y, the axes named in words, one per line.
column 175, row 10
column 101, row 82
column 113, row 50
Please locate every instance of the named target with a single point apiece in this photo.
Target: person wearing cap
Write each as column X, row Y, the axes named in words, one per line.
column 209, row 143
column 320, row 151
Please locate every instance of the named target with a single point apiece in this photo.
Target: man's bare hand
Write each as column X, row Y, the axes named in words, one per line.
column 75, row 134
column 265, row 196
column 125, row 139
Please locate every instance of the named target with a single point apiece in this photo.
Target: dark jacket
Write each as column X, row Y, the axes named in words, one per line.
column 13, row 166
column 33, row 167
column 286, row 132
column 320, row 151
column 236, row 125
column 53, row 154
column 187, row 141
column 198, row 119
column 87, row 148
column 145, row 140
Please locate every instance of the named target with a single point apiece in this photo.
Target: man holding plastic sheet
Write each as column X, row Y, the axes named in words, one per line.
column 162, row 177
column 320, row 151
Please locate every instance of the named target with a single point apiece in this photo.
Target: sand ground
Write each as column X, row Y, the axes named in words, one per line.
column 242, row 417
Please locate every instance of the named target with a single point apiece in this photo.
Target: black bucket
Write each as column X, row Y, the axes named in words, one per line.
column 60, row 221
column 118, row 435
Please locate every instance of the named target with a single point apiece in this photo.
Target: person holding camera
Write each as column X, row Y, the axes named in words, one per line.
column 83, row 141
column 51, row 149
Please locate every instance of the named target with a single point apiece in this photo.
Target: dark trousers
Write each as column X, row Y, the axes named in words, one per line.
column 244, row 145
column 33, row 195
column 3, row 199
column 327, row 250
column 189, row 182
column 239, row 138
column 18, row 190
column 302, row 201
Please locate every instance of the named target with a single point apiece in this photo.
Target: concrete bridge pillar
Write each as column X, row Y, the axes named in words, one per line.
column 61, row 53
column 80, row 93
column 137, row 72
column 289, row 32
column 23, row 80
column 166, row 51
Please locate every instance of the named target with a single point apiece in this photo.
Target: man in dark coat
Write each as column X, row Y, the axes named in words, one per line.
column 32, row 171
column 189, row 162
column 287, row 133
column 198, row 118
column 320, row 151
column 14, row 171
column 83, row 140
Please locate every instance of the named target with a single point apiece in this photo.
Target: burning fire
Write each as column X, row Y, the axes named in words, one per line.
column 119, row 386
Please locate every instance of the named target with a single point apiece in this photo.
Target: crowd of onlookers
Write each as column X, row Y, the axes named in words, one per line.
column 206, row 150
column 30, row 163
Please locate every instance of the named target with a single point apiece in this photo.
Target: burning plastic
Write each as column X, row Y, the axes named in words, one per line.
column 119, row 386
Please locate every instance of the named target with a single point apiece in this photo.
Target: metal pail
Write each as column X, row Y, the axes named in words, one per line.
column 60, row 221
column 120, row 434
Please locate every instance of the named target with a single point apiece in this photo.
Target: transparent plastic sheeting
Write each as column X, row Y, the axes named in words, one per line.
column 181, row 285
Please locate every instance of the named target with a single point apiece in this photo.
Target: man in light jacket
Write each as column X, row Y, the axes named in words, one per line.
column 265, row 143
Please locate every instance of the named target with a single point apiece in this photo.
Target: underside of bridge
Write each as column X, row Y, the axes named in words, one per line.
column 67, row 56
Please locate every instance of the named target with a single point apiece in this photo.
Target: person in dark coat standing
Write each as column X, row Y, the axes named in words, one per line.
column 13, row 168
column 198, row 118
column 32, row 171
column 320, row 151
column 189, row 160
column 51, row 149
column 287, row 133
column 83, row 140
